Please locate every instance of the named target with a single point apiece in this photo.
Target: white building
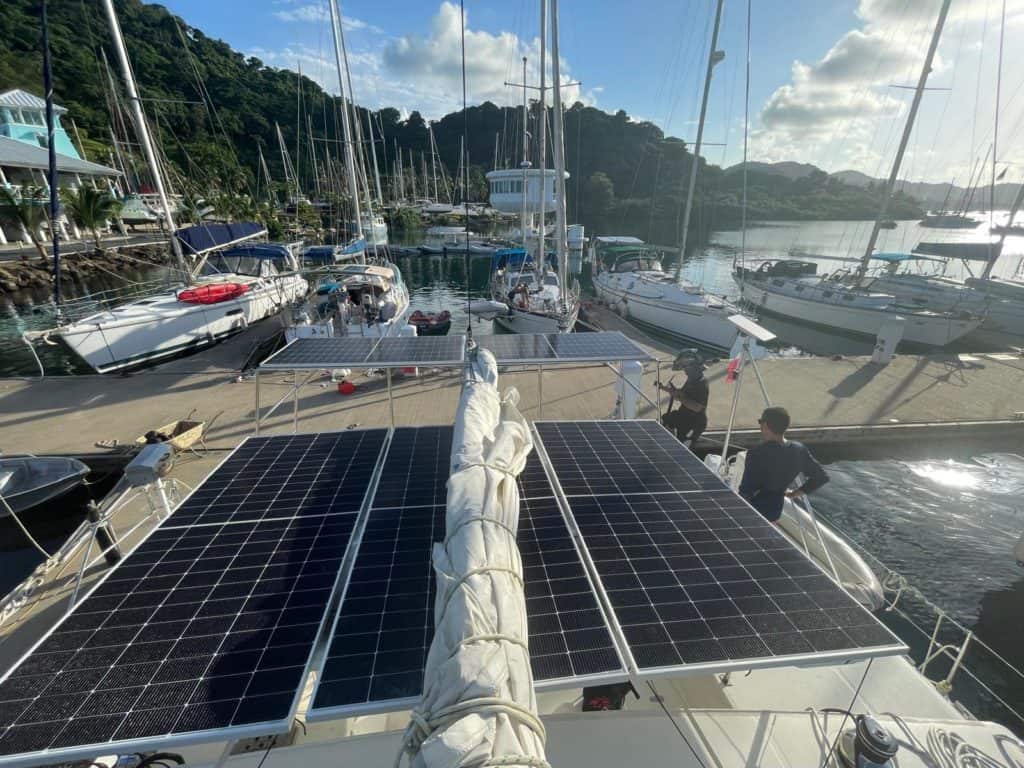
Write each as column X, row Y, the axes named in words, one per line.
column 506, row 188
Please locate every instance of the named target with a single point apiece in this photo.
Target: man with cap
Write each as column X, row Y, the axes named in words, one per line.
column 773, row 465
column 691, row 418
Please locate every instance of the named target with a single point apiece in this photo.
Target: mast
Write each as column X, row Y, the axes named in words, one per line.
column 905, row 139
column 298, row 131
column 433, row 159
column 399, row 175
column 543, row 131
column 350, row 160
column 51, row 153
column 993, row 254
column 462, row 153
column 714, row 56
column 526, row 162
column 373, row 152
column 144, row 139
column 312, row 155
column 559, row 153
column 495, row 150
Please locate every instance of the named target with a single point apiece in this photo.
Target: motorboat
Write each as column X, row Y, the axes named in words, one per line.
column 630, row 279
column 943, row 220
column 29, row 481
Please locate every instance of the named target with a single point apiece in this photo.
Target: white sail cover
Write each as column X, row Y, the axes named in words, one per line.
column 478, row 706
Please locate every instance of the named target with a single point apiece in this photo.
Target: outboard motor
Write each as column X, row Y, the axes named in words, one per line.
column 867, row 745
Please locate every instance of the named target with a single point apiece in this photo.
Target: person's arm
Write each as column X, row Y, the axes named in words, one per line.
column 813, row 471
column 689, row 403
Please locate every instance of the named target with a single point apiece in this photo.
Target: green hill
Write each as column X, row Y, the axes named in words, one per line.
column 627, row 176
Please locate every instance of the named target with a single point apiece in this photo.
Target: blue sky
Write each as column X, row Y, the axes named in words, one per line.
column 821, row 75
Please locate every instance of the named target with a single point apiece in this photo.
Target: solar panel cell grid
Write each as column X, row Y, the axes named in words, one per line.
column 518, row 346
column 441, row 350
column 312, row 353
column 208, row 625
column 276, row 477
column 694, row 576
column 607, row 345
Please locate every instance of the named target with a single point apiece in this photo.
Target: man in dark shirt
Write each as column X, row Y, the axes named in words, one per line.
column 691, row 418
column 773, row 465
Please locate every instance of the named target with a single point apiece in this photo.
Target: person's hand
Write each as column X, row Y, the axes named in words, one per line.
column 797, row 494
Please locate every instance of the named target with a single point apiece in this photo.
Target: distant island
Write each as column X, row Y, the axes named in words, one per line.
column 627, row 176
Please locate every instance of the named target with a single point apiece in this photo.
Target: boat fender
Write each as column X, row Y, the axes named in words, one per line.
column 1018, row 551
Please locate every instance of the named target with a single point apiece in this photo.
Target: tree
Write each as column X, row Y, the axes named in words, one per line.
column 91, row 208
column 598, row 198
column 26, row 210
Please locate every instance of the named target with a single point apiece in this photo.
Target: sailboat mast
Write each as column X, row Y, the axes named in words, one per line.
column 298, row 130
column 144, row 138
column 559, row 154
column 543, row 140
column 433, row 159
column 905, row 139
column 526, row 160
column 714, row 56
column 350, row 160
column 51, row 152
column 993, row 254
column 373, row 152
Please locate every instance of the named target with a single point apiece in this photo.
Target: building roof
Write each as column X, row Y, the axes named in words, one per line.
column 19, row 98
column 18, row 154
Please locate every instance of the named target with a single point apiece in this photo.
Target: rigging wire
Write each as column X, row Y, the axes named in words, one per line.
column 847, row 715
column 661, row 703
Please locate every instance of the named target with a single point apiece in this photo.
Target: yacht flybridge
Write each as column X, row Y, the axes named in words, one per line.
column 571, row 593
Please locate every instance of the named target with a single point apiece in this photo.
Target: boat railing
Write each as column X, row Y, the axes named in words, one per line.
column 942, row 638
column 72, row 310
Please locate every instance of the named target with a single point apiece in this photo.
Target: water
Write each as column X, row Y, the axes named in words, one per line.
column 949, row 526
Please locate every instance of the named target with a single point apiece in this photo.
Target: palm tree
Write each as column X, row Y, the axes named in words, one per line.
column 91, row 209
column 26, row 210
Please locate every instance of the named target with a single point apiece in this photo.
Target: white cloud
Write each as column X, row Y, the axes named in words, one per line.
column 317, row 13
column 422, row 72
column 841, row 111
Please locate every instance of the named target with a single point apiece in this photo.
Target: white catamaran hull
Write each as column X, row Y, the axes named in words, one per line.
column 697, row 321
column 160, row 327
column 926, row 330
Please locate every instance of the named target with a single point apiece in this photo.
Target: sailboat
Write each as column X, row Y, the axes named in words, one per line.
column 848, row 301
column 526, row 295
column 220, row 297
column 635, row 283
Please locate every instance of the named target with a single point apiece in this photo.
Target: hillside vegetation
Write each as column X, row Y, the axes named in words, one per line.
column 627, row 176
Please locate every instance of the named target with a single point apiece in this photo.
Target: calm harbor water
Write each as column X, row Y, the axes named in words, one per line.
column 947, row 525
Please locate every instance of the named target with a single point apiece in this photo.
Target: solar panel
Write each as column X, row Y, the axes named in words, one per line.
column 205, row 629
column 595, row 457
column 696, row 579
column 606, row 345
column 379, row 643
column 426, row 351
column 341, row 352
column 286, row 476
column 518, row 347
column 550, row 348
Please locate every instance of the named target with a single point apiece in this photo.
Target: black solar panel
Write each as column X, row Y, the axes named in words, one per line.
column 341, row 352
column 562, row 347
column 511, row 347
column 203, row 627
column 596, row 457
column 427, row 350
column 285, row 476
column 385, row 624
column 606, row 345
column 697, row 580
